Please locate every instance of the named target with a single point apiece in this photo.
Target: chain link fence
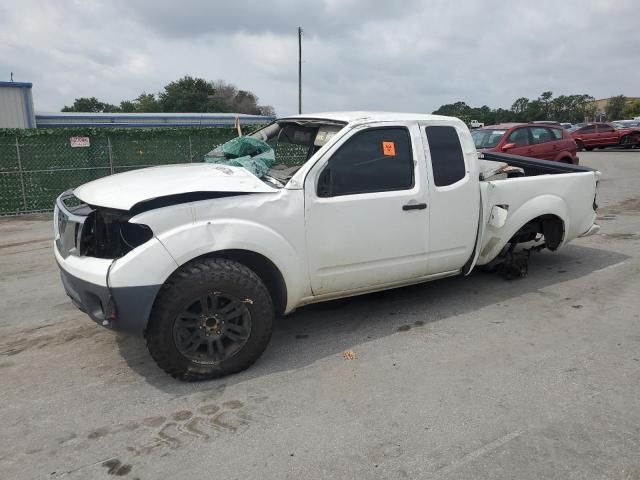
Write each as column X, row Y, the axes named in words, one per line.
column 37, row 165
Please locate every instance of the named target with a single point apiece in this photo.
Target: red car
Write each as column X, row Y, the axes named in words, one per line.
column 546, row 142
column 603, row 135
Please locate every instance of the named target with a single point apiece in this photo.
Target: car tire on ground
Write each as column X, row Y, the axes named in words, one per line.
column 579, row 145
column 629, row 141
column 213, row 317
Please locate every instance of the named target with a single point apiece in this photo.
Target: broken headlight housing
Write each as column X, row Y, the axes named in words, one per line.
column 109, row 234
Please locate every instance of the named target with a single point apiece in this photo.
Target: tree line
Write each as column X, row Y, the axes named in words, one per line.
column 185, row 95
column 565, row 108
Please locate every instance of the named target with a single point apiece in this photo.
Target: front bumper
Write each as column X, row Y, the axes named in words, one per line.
column 118, row 308
column 117, row 294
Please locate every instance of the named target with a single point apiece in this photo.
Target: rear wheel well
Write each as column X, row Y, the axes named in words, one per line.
column 550, row 226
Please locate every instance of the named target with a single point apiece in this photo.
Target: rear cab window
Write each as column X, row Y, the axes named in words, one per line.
column 447, row 159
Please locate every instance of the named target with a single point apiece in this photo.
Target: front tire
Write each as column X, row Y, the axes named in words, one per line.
column 212, row 318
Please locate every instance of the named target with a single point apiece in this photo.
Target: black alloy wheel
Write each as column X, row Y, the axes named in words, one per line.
column 213, row 328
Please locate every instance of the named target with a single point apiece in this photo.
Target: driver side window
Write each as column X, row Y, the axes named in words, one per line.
column 374, row 160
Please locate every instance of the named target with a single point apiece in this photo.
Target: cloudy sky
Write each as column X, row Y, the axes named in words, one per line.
column 358, row 54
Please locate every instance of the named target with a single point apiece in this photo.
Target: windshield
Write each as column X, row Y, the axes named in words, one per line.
column 487, row 137
column 276, row 152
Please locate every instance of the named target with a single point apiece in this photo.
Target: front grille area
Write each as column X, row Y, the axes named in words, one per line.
column 85, row 231
column 69, row 216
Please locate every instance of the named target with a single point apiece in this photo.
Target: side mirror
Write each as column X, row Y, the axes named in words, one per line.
column 508, row 146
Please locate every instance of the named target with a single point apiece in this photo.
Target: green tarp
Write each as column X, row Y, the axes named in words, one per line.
column 253, row 154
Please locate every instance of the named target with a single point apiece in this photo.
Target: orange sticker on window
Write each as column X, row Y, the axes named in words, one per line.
column 389, row 149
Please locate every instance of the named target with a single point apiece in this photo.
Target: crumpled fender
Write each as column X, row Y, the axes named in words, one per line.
column 193, row 240
column 494, row 239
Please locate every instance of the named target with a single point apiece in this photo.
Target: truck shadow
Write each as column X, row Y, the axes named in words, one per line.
column 319, row 331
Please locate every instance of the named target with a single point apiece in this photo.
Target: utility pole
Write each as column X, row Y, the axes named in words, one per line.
column 299, row 69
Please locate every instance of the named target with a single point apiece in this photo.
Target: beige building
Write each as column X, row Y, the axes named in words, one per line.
column 601, row 105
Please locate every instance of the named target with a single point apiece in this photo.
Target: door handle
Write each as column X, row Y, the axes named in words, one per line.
column 414, row 206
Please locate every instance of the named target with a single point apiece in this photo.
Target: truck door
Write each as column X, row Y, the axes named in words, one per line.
column 366, row 210
column 454, row 196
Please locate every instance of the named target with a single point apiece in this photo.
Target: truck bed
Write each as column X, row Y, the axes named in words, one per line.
column 563, row 190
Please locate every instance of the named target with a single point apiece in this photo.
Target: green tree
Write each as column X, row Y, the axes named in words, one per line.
column 127, row 106
column 545, row 100
column 91, row 105
column 615, row 107
column 631, row 109
column 267, row 110
column 147, row 103
column 585, row 108
column 187, row 94
column 519, row 109
column 453, row 109
column 536, row 110
column 246, row 102
column 458, row 109
column 565, row 108
column 502, row 115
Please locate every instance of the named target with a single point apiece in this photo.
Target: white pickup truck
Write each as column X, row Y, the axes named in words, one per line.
column 201, row 257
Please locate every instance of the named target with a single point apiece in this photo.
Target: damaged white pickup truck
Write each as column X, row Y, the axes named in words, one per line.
column 201, row 257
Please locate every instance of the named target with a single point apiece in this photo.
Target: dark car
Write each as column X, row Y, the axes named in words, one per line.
column 543, row 141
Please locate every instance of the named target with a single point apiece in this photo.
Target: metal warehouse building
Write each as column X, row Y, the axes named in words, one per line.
column 138, row 120
column 16, row 105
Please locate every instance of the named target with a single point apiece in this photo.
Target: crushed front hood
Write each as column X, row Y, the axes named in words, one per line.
column 124, row 190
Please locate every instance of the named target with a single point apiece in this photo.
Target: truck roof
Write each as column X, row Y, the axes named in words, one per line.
column 370, row 116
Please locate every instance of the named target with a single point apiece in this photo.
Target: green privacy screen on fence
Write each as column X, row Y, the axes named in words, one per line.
column 37, row 165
